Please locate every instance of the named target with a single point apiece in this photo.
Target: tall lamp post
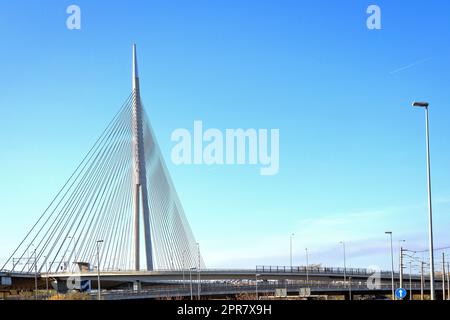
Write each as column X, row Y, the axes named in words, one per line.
column 448, row 281
column 345, row 266
column 422, row 280
column 99, row 293
column 410, row 282
column 443, row 275
column 290, row 249
column 307, row 264
column 46, row 278
column 35, row 268
column 35, row 275
column 392, row 265
column 430, row 212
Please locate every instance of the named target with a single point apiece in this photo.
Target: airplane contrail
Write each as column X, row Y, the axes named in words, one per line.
column 410, row 65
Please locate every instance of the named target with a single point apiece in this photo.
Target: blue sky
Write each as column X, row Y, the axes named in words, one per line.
column 352, row 150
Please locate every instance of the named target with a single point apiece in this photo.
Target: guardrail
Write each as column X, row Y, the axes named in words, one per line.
column 263, row 270
column 210, row 289
column 214, row 289
column 330, row 271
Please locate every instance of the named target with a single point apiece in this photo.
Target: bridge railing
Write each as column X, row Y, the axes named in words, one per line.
column 285, row 269
column 297, row 269
column 10, row 273
column 227, row 288
column 331, row 271
column 263, row 270
column 313, row 269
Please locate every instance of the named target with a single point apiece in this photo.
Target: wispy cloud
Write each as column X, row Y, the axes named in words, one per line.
column 317, row 234
column 363, row 232
column 416, row 63
column 442, row 198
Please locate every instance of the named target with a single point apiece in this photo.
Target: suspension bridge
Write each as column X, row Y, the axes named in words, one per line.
column 118, row 220
column 120, row 194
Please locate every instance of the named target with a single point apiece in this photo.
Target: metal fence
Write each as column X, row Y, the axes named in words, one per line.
column 261, row 288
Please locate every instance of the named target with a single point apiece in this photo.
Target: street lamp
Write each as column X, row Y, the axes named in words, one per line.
column 392, row 265
column 98, row 270
column 443, row 275
column 410, row 282
column 46, row 278
column 307, row 264
column 345, row 266
column 290, row 247
column 422, row 280
column 448, row 281
column 35, row 275
column 430, row 212
column 35, row 270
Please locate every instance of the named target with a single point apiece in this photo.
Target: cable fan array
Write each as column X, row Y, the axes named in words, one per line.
column 96, row 202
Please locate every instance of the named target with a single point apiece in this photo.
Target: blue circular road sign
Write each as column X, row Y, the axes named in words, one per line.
column 400, row 293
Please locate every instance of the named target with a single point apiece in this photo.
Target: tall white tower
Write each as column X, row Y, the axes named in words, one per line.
column 140, row 176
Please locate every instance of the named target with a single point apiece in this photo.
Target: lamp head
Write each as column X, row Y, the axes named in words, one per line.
column 420, row 104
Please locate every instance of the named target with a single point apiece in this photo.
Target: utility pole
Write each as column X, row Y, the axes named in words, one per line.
column 422, row 280
column 399, row 254
column 401, row 267
column 443, row 275
column 307, row 264
column 448, row 281
column 410, row 282
column 290, row 250
column 345, row 266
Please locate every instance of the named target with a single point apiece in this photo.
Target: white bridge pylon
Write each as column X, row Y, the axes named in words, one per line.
column 120, row 195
